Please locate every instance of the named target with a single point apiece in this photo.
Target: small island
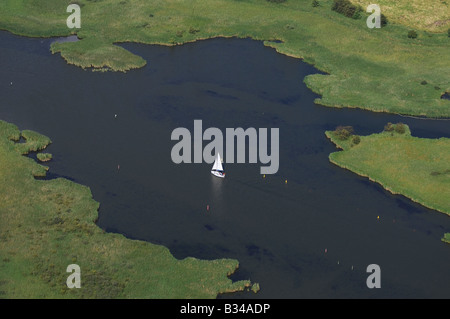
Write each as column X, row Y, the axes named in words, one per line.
column 44, row 157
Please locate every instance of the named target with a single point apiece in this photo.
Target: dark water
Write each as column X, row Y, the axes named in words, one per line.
column 278, row 232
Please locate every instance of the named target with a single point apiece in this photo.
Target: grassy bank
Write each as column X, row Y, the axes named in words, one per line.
column 433, row 16
column 47, row 225
column 377, row 69
column 415, row 167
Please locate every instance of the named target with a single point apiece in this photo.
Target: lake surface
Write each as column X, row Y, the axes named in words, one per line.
column 279, row 232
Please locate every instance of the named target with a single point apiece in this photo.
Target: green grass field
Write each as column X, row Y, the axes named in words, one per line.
column 47, row 225
column 417, row 168
column 431, row 16
column 376, row 69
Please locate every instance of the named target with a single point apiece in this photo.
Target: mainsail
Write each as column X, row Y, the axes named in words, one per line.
column 218, row 164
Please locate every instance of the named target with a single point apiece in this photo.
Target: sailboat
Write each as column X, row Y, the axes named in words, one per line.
column 217, row 169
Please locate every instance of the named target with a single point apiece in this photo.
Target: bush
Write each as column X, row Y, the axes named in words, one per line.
column 344, row 132
column 358, row 13
column 346, row 8
column 276, row 1
column 316, row 3
column 389, row 127
column 412, row 34
column 356, row 139
column 424, row 82
column 193, row 30
column 383, row 20
column 77, row 3
column 448, row 32
column 400, row 128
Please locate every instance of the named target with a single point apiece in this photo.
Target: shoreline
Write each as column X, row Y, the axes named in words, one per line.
column 351, row 68
column 389, row 189
column 379, row 182
column 51, row 223
column 393, row 190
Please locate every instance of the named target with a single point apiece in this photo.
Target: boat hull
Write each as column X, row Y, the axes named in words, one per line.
column 218, row 174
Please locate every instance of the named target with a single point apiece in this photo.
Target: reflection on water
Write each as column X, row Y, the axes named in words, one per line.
column 217, row 190
column 70, row 38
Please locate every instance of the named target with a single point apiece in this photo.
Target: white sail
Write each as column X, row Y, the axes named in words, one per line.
column 218, row 163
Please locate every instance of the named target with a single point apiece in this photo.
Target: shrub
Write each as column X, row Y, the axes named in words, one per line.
column 344, row 132
column 383, row 20
column 193, row 30
column 316, row 3
column 424, row 82
column 358, row 13
column 389, row 127
column 440, row 173
column 400, row 128
column 412, row 34
column 448, row 32
column 276, row 1
column 77, row 3
column 356, row 139
column 346, row 8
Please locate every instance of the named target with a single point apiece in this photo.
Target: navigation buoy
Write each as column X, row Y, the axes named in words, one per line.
column 326, row 250
column 378, row 217
column 285, row 181
column 115, row 116
column 11, row 83
column 207, row 208
column 264, row 176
